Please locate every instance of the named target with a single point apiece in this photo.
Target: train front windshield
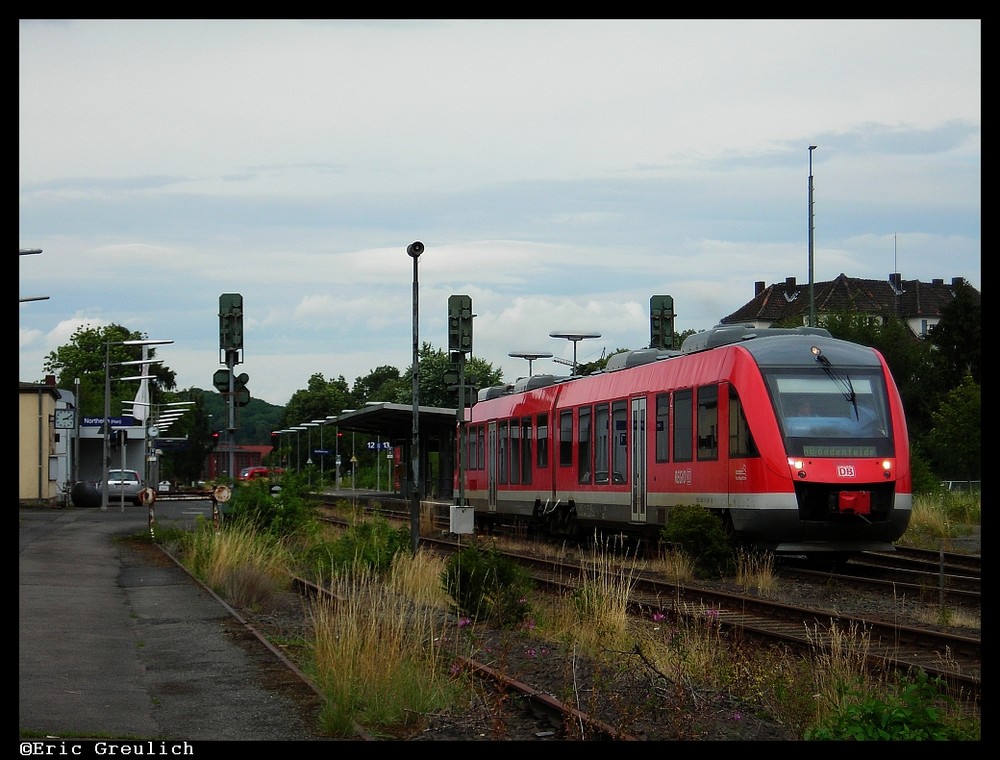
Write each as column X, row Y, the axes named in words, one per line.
column 832, row 414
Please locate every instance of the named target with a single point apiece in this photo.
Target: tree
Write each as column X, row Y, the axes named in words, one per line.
column 381, row 384
column 435, row 387
column 957, row 337
column 955, row 441
column 320, row 399
column 84, row 356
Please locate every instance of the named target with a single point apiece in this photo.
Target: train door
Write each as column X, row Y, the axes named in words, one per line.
column 491, row 466
column 637, row 445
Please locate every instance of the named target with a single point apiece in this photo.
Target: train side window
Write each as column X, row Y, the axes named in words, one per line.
column 584, row 444
column 515, row 452
column 526, row 450
column 683, row 426
column 741, row 443
column 542, row 448
column 565, row 438
column 475, row 441
column 663, row 427
column 502, row 452
column 708, row 423
column 619, row 438
column 482, row 435
column 602, row 474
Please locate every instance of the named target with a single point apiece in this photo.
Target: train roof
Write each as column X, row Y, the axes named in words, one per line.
column 722, row 335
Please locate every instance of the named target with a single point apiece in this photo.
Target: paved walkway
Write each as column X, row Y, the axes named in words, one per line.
column 118, row 643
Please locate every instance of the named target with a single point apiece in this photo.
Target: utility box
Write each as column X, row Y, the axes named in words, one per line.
column 462, row 520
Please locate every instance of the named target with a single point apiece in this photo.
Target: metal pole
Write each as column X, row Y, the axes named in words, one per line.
column 812, row 292
column 76, row 433
column 106, row 460
column 414, row 250
column 123, row 445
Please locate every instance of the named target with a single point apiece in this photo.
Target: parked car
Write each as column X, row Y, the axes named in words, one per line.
column 128, row 482
column 253, row 473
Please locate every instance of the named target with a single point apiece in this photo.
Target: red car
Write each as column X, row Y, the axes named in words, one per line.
column 253, row 473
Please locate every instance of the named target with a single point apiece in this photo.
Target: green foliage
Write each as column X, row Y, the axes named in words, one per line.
column 281, row 514
column 957, row 337
column 487, row 586
column 371, row 544
column 911, row 715
column 925, row 481
column 700, row 536
column 956, row 438
column 435, row 363
column 84, row 357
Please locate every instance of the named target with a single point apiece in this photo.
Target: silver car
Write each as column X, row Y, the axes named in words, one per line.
column 127, row 482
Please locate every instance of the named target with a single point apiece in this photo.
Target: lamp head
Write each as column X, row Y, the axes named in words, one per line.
column 414, row 249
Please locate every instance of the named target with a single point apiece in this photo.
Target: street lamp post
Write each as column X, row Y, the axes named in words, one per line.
column 812, row 298
column 107, row 403
column 413, row 250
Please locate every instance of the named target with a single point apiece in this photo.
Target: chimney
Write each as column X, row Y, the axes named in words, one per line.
column 894, row 280
column 50, row 380
column 789, row 284
column 937, row 281
column 956, row 281
column 758, row 288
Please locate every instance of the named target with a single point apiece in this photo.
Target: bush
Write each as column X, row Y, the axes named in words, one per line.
column 701, row 537
column 487, row 586
column 282, row 514
column 911, row 715
column 372, row 544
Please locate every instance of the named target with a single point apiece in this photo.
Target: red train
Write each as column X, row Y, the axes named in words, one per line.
column 795, row 439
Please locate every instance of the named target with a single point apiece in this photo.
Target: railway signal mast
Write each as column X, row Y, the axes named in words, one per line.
column 232, row 386
column 460, row 318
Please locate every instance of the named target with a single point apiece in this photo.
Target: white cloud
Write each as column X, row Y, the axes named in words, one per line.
column 559, row 172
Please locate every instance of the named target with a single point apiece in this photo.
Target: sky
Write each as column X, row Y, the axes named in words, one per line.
column 558, row 172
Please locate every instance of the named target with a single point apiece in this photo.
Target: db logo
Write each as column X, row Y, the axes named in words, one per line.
column 846, row 471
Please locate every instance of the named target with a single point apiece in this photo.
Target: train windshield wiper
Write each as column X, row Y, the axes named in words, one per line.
column 843, row 380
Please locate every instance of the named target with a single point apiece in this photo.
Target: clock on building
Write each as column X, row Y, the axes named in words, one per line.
column 65, row 419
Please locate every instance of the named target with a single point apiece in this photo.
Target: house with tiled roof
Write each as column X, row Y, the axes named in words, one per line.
column 918, row 303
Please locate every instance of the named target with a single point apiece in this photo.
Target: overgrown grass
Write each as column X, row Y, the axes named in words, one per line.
column 937, row 520
column 384, row 652
column 241, row 564
column 377, row 649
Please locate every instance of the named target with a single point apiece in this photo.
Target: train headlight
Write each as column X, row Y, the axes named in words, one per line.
column 797, row 465
column 886, row 469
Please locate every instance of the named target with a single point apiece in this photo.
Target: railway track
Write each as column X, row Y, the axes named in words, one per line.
column 956, row 658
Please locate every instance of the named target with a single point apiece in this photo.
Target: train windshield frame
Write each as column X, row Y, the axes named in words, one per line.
column 838, row 413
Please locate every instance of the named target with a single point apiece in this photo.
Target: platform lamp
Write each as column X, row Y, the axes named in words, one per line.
column 107, row 402
column 298, row 447
column 322, row 456
column 308, row 426
column 413, row 250
column 336, row 460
